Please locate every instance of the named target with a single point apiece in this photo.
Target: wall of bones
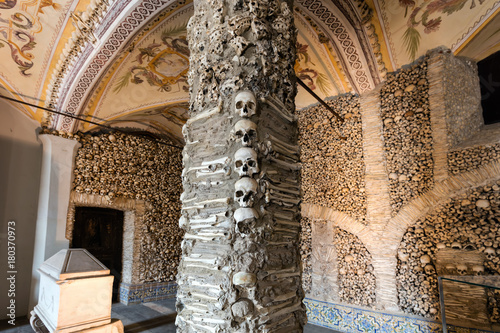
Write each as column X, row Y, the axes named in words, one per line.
column 134, row 173
column 417, row 178
column 386, row 195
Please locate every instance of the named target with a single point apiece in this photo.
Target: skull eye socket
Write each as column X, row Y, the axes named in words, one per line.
column 251, row 163
column 239, row 104
column 238, row 164
column 251, row 133
column 251, row 105
column 239, row 194
column 239, row 134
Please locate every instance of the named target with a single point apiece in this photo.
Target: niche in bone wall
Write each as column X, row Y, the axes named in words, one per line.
column 472, row 158
column 356, row 280
column 461, row 237
column 333, row 168
column 407, row 133
column 117, row 165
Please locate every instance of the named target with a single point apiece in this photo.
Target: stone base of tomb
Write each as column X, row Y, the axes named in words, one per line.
column 114, row 326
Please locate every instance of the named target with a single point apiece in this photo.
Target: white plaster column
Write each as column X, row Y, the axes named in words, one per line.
column 55, row 187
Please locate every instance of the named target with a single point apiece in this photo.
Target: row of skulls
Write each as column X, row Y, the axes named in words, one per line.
column 246, row 162
column 246, row 165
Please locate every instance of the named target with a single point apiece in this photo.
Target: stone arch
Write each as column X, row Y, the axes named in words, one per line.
column 441, row 192
column 340, row 263
column 339, row 219
column 458, row 236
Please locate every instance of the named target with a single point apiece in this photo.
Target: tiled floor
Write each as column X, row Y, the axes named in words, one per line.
column 154, row 317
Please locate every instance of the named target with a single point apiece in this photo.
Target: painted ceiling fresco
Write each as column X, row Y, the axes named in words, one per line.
column 28, row 34
column 152, row 78
column 314, row 66
column 343, row 46
column 414, row 26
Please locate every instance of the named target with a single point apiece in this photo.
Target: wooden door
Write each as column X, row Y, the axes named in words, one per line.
column 100, row 231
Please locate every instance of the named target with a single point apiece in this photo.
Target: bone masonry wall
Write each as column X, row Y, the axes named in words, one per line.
column 239, row 270
column 111, row 169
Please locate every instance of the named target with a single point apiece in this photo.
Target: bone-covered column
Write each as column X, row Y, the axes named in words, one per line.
column 240, row 261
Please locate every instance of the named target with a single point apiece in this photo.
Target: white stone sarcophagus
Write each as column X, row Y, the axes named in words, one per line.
column 75, row 292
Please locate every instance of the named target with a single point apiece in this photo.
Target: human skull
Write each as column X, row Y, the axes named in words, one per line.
column 440, row 246
column 246, row 131
column 490, row 253
column 258, row 8
column 429, row 269
column 419, row 232
column 260, row 29
column 478, row 269
column 456, row 246
column 461, row 269
column 245, row 219
column 403, row 256
column 425, row 259
column 245, row 104
column 450, row 269
column 245, row 162
column 246, row 189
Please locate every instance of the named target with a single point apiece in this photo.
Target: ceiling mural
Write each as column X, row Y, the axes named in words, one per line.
column 152, row 75
column 161, row 64
column 415, row 26
column 315, row 66
column 125, row 62
column 341, row 26
column 28, row 33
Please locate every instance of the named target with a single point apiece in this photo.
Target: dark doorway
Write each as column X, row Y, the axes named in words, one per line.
column 489, row 79
column 100, row 231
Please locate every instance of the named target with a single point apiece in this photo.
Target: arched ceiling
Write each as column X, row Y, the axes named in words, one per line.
column 124, row 63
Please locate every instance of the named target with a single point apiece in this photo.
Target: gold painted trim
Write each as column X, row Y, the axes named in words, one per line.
column 384, row 50
column 101, row 86
column 168, row 79
column 340, row 72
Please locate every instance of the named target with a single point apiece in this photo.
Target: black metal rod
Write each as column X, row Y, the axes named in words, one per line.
column 54, row 111
column 313, row 94
column 80, row 119
column 302, row 84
